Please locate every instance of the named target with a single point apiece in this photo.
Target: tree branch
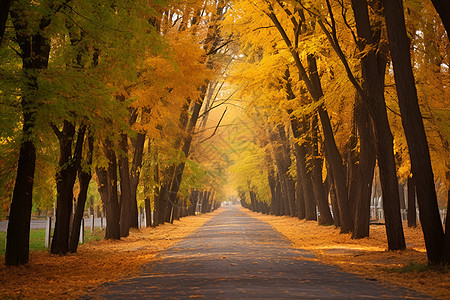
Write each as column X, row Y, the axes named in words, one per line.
column 56, row 130
column 217, row 126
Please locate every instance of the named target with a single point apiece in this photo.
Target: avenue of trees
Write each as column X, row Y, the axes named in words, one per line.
column 109, row 92
column 337, row 90
column 314, row 98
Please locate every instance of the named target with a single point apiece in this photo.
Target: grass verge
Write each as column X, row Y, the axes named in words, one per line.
column 37, row 239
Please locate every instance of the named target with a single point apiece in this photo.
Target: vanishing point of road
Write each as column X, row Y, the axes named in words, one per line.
column 235, row 256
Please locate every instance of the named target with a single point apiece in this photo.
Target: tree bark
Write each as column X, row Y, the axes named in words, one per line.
column 35, row 49
column 373, row 96
column 412, row 219
column 325, row 217
column 306, row 206
column 108, row 179
column 333, row 200
column 282, row 167
column 414, row 131
column 443, row 9
column 271, row 180
column 367, row 160
column 18, row 235
column 4, row 11
column 65, row 180
column 84, row 177
column 286, row 160
column 125, row 188
column 135, row 172
column 446, row 251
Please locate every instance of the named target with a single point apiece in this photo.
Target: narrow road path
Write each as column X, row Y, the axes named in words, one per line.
column 235, row 256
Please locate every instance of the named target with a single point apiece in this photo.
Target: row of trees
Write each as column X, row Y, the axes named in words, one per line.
column 328, row 84
column 106, row 91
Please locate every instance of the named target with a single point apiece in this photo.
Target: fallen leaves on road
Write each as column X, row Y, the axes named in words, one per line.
column 366, row 257
column 50, row 276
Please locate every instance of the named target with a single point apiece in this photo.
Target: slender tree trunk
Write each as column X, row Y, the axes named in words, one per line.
column 446, row 255
column 135, row 172
column 318, row 188
column 412, row 222
column 300, row 200
column 84, row 177
column 414, row 131
column 353, row 181
column 282, row 166
column 373, row 73
column 65, row 180
column 125, row 189
column 290, row 183
column 333, row 200
column 307, row 187
column 280, row 196
column 271, row 180
column 306, row 202
column 332, row 154
column 367, row 160
column 111, row 203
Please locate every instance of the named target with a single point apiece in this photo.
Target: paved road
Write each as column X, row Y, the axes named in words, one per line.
column 234, row 256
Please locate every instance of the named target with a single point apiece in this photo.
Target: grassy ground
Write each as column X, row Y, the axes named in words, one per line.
column 37, row 239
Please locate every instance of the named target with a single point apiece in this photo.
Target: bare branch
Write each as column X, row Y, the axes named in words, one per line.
column 217, row 126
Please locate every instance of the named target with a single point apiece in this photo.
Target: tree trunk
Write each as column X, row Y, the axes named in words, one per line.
column 332, row 154
column 443, row 9
column 271, row 180
column 318, row 188
column 4, row 11
column 111, row 203
column 306, row 183
column 282, row 167
column 35, row 51
column 290, row 183
column 125, row 189
column 65, row 180
column 367, row 160
column 84, row 177
column 333, row 200
column 446, row 255
column 414, row 131
column 306, row 201
column 135, row 172
column 280, row 196
column 412, row 219
column 373, row 96
column 18, row 235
